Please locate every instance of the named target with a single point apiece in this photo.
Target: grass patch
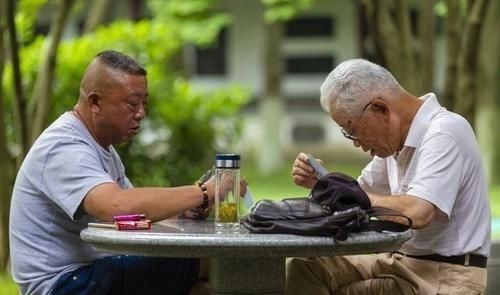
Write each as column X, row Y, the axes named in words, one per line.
column 7, row 286
column 279, row 185
column 495, row 201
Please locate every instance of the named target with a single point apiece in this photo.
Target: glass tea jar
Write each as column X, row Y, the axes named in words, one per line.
column 227, row 192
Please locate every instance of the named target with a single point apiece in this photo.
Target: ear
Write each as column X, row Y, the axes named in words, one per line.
column 379, row 105
column 94, row 100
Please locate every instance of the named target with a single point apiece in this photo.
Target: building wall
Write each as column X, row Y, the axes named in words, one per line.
column 304, row 121
column 303, row 124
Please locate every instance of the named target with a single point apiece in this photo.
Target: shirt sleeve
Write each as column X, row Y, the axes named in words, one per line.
column 438, row 172
column 70, row 171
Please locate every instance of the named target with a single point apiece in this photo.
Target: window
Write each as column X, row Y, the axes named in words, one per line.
column 310, row 27
column 309, row 64
column 212, row 60
column 322, row 29
column 308, row 133
column 42, row 29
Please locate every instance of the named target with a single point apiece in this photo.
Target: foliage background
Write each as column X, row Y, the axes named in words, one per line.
column 182, row 124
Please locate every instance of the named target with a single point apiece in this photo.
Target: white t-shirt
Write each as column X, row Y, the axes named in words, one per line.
column 441, row 163
column 63, row 165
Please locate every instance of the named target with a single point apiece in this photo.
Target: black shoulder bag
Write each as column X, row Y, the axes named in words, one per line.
column 337, row 205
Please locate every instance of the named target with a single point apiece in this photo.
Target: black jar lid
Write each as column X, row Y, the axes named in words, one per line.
column 231, row 161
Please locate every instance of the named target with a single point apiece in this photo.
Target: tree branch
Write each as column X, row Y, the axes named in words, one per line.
column 426, row 34
column 468, row 61
column 43, row 84
column 19, row 101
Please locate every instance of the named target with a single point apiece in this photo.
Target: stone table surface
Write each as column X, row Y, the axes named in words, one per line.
column 240, row 263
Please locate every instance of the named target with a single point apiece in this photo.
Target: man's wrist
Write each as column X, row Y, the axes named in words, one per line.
column 206, row 198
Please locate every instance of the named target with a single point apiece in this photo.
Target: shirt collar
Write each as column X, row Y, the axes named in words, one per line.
column 422, row 119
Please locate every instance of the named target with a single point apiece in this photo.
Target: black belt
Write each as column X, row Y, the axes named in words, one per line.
column 467, row 259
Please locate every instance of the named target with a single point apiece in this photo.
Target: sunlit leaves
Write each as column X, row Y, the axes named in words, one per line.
column 283, row 10
column 26, row 15
column 195, row 21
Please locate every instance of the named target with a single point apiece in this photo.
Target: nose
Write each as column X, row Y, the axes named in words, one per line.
column 140, row 113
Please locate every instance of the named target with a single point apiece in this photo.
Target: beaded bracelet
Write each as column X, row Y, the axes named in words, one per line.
column 205, row 194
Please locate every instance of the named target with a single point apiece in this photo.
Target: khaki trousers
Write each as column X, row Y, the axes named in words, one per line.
column 380, row 274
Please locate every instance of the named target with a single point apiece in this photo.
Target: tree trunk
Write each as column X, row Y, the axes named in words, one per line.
column 488, row 105
column 468, row 61
column 5, row 160
column 271, row 104
column 96, row 14
column 19, row 101
column 43, row 84
column 370, row 33
column 394, row 40
column 406, row 60
column 6, row 182
column 453, row 31
column 426, row 34
column 136, row 8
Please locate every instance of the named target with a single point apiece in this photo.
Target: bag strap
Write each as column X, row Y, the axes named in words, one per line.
column 378, row 225
column 388, row 225
column 374, row 212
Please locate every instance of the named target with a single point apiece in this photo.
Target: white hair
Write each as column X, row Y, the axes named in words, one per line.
column 355, row 82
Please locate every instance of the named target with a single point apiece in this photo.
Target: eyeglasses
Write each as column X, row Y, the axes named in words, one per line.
column 349, row 135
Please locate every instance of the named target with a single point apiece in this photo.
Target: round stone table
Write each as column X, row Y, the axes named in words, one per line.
column 240, row 263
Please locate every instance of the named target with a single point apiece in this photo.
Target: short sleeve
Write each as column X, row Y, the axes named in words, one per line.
column 438, row 172
column 71, row 169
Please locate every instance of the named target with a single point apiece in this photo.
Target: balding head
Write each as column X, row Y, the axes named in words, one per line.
column 103, row 73
column 113, row 96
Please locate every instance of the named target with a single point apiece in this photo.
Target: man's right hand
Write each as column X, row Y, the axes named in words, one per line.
column 302, row 173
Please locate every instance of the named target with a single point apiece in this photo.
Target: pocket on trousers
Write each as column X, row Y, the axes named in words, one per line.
column 458, row 279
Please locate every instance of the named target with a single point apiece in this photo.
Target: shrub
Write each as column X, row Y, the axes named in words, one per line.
column 184, row 127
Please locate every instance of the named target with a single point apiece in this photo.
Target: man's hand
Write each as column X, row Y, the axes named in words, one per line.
column 302, row 173
column 208, row 182
column 203, row 213
column 197, row 213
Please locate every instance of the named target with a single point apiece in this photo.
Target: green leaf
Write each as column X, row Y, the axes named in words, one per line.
column 283, row 10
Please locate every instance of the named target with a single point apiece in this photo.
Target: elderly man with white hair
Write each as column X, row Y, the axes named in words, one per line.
column 427, row 165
